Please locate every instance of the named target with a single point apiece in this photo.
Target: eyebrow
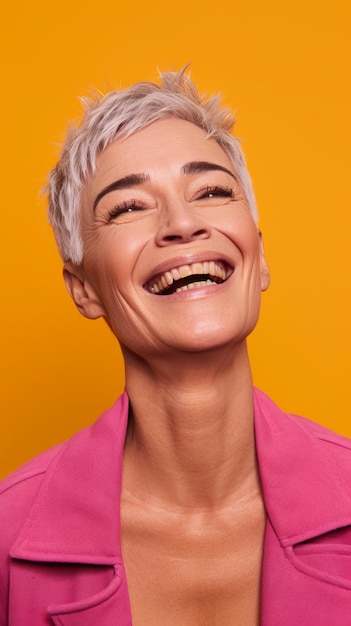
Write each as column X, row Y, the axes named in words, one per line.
column 196, row 167
column 132, row 180
column 123, row 183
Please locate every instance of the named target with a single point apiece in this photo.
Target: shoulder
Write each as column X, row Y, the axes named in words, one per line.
column 19, row 490
column 264, row 404
column 33, row 468
column 295, row 432
column 321, row 432
column 49, row 488
column 305, row 473
column 17, row 496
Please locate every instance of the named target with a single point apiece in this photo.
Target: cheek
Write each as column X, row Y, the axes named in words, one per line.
column 111, row 256
column 237, row 224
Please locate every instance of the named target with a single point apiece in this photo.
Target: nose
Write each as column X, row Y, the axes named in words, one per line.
column 180, row 224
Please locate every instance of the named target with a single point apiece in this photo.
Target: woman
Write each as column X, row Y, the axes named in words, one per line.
column 227, row 510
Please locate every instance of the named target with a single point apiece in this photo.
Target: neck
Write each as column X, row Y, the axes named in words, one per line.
column 191, row 433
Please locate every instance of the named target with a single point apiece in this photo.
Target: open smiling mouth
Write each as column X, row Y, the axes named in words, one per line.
column 185, row 277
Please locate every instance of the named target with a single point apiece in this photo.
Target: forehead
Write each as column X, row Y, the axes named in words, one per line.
column 161, row 147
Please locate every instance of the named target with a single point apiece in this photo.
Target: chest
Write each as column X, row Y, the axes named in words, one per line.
column 195, row 573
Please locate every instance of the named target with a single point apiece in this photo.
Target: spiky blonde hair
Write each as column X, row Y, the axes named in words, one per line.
column 118, row 114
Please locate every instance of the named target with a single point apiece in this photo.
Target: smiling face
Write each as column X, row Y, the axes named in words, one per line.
column 172, row 257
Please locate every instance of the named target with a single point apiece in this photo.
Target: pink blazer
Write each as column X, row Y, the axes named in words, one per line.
column 60, row 554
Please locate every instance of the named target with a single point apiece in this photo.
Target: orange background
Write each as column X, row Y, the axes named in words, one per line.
column 285, row 68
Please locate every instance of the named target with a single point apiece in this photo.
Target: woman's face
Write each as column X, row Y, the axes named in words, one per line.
column 172, row 257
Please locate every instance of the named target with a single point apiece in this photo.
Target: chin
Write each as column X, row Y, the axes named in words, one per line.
column 208, row 340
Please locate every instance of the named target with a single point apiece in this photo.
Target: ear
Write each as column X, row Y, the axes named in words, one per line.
column 265, row 275
column 84, row 296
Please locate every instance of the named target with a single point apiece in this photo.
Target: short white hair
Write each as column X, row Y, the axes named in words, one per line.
column 119, row 114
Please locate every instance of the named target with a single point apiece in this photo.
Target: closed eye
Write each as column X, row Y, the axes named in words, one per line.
column 130, row 206
column 215, row 191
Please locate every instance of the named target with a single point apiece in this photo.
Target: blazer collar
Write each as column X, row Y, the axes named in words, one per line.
column 305, row 473
column 81, row 486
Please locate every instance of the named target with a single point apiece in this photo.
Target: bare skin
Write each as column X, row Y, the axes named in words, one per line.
column 192, row 513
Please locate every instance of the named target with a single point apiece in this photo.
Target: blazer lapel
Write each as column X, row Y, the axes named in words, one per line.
column 76, row 515
column 306, row 570
column 305, row 473
column 75, row 520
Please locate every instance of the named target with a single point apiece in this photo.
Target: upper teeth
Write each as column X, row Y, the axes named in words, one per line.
column 165, row 280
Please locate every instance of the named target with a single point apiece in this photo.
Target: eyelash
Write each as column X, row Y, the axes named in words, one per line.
column 135, row 205
column 126, row 207
column 217, row 190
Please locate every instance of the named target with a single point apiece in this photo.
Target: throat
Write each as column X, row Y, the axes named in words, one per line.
column 204, row 448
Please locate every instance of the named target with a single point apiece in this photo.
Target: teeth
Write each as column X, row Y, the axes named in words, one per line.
column 197, row 285
column 169, row 278
column 175, row 274
column 213, row 268
column 197, row 268
column 184, row 271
